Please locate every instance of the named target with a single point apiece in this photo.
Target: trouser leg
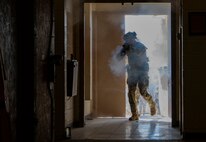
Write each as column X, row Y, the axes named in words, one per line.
column 132, row 96
column 143, row 85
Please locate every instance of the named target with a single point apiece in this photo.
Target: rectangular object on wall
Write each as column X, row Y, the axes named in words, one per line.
column 72, row 77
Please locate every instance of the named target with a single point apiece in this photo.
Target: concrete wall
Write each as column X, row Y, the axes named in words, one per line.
column 9, row 53
column 8, row 45
column 43, row 104
column 194, row 114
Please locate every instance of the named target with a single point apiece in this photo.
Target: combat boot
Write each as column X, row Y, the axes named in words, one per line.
column 134, row 117
column 153, row 109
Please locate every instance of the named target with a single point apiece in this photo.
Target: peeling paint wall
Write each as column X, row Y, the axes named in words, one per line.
column 43, row 106
column 8, row 49
column 8, row 46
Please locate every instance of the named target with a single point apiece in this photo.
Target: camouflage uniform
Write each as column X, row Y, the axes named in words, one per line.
column 137, row 73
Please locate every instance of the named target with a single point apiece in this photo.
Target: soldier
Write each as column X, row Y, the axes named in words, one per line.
column 137, row 71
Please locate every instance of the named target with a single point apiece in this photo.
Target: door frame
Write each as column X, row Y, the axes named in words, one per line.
column 176, row 76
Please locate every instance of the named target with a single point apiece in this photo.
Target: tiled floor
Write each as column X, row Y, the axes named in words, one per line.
column 147, row 128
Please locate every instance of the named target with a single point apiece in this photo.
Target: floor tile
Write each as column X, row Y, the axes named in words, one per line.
column 147, row 128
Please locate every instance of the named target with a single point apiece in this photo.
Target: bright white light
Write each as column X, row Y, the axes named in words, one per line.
column 147, row 27
column 150, row 31
column 153, row 32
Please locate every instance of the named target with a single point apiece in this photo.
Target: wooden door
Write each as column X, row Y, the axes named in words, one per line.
column 108, row 89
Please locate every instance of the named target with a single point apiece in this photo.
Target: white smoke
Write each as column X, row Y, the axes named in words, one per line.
column 116, row 65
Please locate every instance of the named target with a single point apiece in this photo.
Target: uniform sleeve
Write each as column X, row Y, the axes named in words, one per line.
column 142, row 48
column 121, row 54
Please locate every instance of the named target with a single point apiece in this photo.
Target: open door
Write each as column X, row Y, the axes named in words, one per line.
column 108, row 89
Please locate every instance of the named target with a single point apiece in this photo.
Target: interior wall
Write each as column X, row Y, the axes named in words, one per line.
column 194, row 50
column 73, row 16
column 78, row 50
column 88, row 59
column 69, row 106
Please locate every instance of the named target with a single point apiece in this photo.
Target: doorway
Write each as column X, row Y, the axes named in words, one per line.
column 155, row 32
column 105, row 25
column 104, row 28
